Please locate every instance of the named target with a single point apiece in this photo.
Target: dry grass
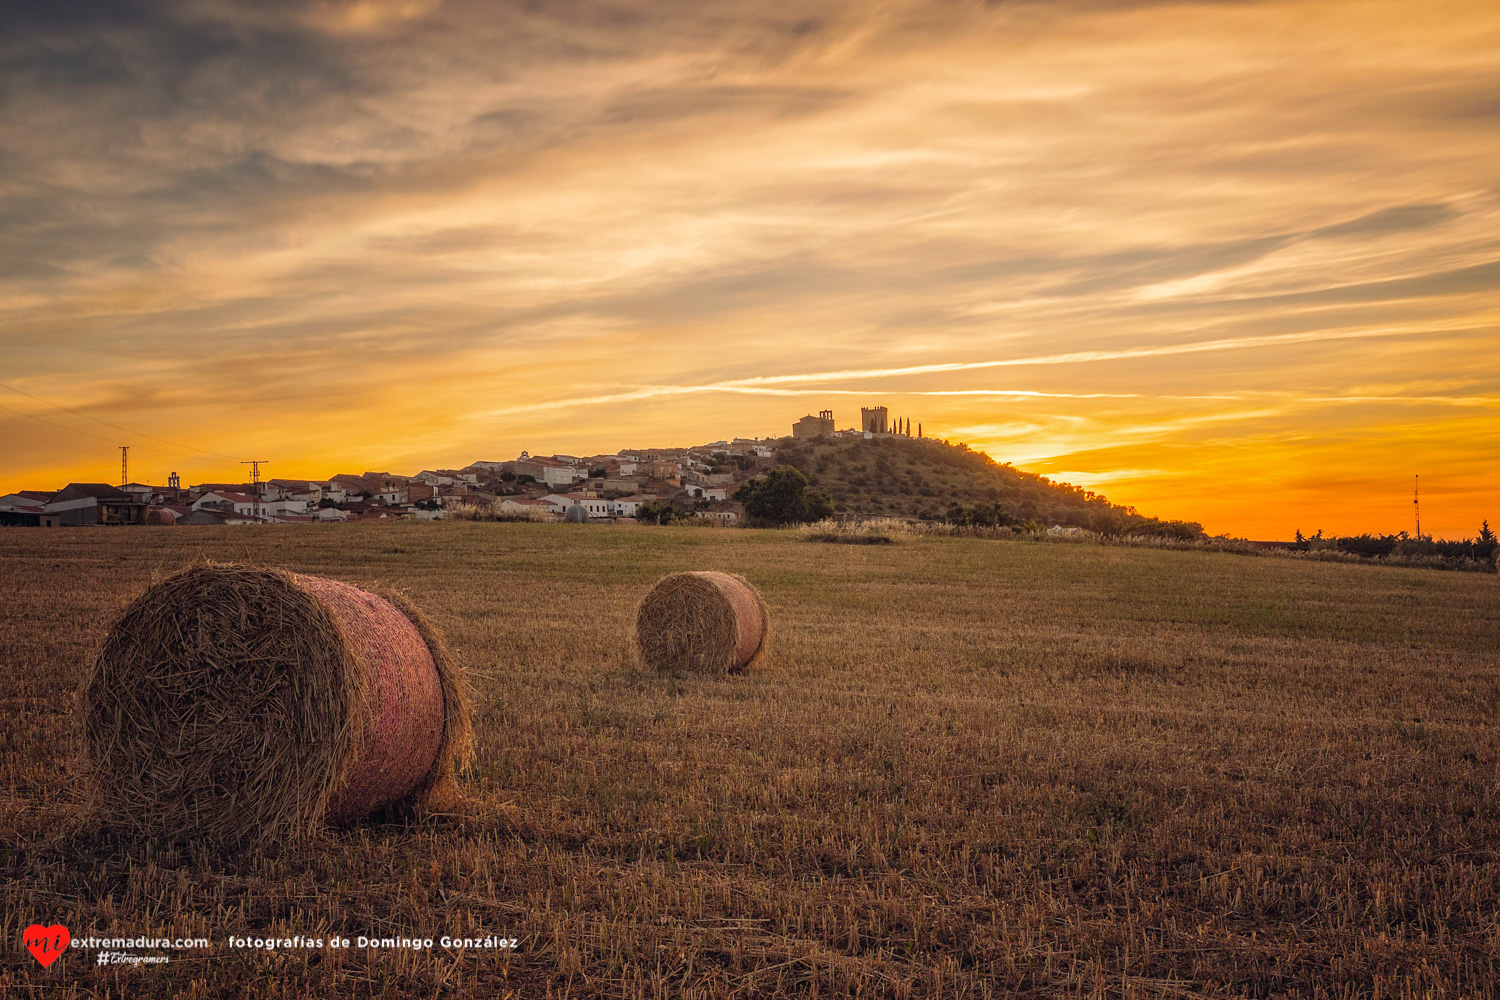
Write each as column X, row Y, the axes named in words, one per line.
column 976, row 769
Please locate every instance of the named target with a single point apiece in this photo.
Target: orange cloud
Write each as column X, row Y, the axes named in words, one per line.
column 1231, row 263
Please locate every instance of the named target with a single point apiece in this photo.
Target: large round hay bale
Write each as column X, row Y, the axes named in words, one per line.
column 242, row 703
column 705, row 622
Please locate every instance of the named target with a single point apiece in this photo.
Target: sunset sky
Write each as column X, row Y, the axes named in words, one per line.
column 1234, row 262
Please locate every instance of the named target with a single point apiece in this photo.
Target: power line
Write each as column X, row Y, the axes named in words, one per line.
column 54, row 423
column 80, row 430
column 106, row 423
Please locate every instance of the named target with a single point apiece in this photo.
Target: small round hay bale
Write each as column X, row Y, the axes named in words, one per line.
column 576, row 513
column 235, row 703
column 705, row 622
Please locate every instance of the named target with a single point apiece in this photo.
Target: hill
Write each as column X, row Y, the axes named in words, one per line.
column 933, row 480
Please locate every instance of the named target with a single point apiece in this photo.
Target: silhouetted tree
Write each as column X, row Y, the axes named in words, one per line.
column 781, row 496
column 655, row 512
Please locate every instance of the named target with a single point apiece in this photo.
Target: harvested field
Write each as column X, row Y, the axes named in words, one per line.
column 973, row 769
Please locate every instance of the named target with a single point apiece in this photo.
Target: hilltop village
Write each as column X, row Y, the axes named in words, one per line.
column 697, row 482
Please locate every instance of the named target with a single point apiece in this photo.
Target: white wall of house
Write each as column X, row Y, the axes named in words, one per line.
column 597, row 507
column 627, row 506
column 513, row 505
column 236, row 502
column 279, row 507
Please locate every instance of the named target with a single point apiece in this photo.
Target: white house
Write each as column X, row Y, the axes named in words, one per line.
column 142, row 493
column 239, row 503
column 524, row 505
column 594, row 505
column 285, row 508
column 309, row 489
column 549, row 471
column 627, row 506
column 219, row 515
column 709, row 492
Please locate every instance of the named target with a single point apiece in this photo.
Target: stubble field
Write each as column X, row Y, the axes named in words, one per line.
column 970, row 769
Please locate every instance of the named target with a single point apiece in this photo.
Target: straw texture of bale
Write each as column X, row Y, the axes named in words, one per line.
column 703, row 622
column 234, row 703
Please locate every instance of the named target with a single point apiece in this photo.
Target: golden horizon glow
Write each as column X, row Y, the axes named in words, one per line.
column 1231, row 263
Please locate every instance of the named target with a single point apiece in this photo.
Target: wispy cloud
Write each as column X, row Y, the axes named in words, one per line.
column 387, row 230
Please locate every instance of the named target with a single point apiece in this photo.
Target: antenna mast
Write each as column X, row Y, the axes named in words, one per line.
column 124, row 464
column 1416, row 501
column 255, row 465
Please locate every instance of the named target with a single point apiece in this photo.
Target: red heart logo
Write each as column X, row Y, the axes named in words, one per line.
column 47, row 944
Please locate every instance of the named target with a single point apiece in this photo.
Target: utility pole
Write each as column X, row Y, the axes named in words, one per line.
column 124, row 464
column 1416, row 500
column 255, row 465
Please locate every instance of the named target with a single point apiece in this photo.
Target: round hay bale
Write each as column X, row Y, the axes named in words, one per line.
column 705, row 622
column 576, row 513
column 236, row 703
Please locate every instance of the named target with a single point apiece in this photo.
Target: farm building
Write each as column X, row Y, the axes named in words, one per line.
column 23, row 508
column 92, row 503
